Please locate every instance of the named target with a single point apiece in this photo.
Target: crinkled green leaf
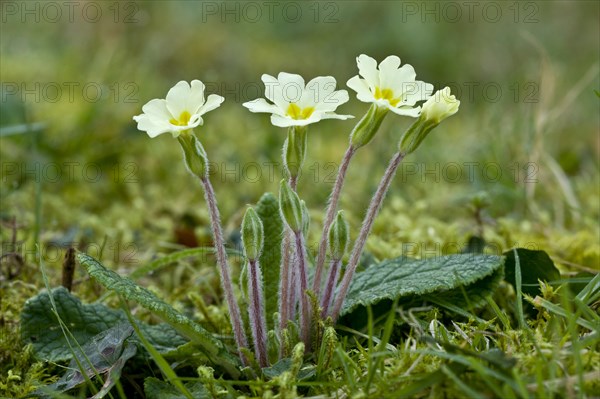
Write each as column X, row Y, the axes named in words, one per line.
column 278, row 368
column 104, row 355
column 306, row 372
column 157, row 389
column 535, row 265
column 406, row 278
column 163, row 337
column 40, row 327
column 125, row 287
column 268, row 211
column 471, row 295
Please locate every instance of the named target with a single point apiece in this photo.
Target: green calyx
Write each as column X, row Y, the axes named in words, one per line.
column 194, row 155
column 305, row 218
column 252, row 234
column 338, row 236
column 294, row 149
column 367, row 127
column 415, row 134
column 290, row 206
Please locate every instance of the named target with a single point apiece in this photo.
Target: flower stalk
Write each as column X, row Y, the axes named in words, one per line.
column 294, row 154
column 359, row 245
column 303, row 287
column 329, row 215
column 330, row 284
column 234, row 310
column 292, row 212
column 437, row 108
column 256, row 312
column 338, row 242
column 361, row 135
column 253, row 239
column 284, row 283
column 196, row 162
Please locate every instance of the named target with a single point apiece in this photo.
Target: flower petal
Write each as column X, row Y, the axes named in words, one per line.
column 196, row 97
column 283, row 121
column 292, row 86
column 195, row 120
column 332, row 101
column 367, row 68
column 270, row 82
column 158, row 109
column 400, row 81
column 332, row 115
column 314, row 118
column 419, row 91
column 152, row 126
column 213, row 101
column 273, row 91
column 361, row 87
column 177, row 130
column 405, row 111
column 261, row 105
column 387, row 72
column 317, row 90
column 177, row 98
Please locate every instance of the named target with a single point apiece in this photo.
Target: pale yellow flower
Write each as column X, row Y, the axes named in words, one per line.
column 182, row 110
column 390, row 85
column 295, row 103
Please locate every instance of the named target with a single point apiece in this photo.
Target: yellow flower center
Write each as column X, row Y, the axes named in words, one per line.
column 184, row 119
column 386, row 94
column 295, row 112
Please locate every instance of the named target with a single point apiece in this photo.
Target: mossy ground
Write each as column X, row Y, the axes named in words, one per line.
column 126, row 199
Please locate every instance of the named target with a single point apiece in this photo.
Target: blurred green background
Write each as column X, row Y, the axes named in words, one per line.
column 527, row 134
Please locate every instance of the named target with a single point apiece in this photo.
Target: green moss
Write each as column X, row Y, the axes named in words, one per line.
column 20, row 372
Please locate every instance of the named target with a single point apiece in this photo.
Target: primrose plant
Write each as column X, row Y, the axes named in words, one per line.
column 294, row 104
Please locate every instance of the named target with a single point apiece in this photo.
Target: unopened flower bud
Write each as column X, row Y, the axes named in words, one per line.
column 439, row 107
column 338, row 236
column 194, row 155
column 365, row 129
column 290, row 207
column 252, row 234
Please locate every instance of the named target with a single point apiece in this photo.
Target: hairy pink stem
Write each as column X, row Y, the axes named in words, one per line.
column 287, row 292
column 293, row 283
column 256, row 313
column 332, row 278
column 284, row 292
column 359, row 245
column 329, row 216
column 304, row 302
column 284, row 285
column 234, row 310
